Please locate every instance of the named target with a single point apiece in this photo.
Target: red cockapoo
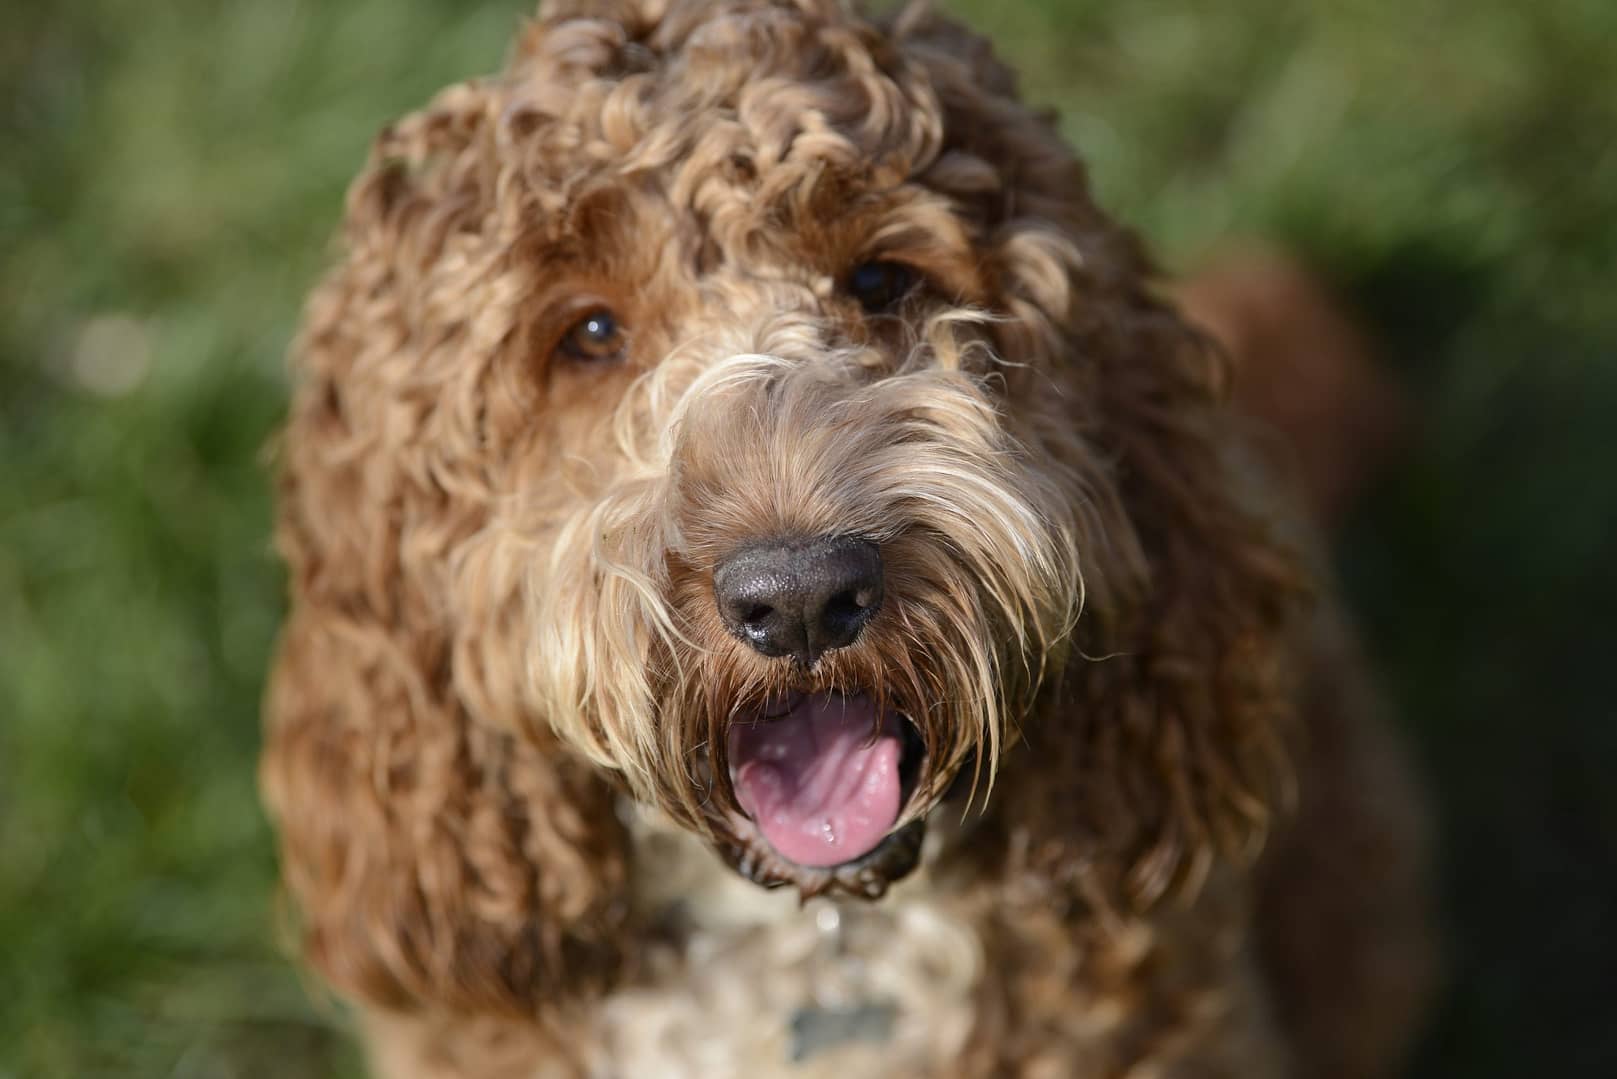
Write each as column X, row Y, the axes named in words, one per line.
column 775, row 591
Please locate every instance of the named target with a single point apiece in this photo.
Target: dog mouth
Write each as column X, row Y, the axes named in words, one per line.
column 825, row 778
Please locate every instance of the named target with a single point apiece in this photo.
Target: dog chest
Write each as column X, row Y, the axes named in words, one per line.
column 750, row 982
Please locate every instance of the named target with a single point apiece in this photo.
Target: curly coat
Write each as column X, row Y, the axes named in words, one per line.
column 496, row 725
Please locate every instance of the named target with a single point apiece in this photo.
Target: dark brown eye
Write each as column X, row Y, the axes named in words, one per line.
column 880, row 286
column 595, row 338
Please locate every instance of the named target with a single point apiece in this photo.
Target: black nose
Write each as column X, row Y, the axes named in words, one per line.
column 800, row 598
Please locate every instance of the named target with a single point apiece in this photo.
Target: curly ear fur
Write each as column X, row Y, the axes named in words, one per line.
column 1180, row 714
column 433, row 859
column 1164, row 743
column 1165, row 740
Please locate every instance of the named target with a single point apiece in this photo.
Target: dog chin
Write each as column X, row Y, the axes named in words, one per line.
column 866, row 877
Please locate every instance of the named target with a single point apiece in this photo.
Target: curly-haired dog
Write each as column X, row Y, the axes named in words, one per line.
column 774, row 591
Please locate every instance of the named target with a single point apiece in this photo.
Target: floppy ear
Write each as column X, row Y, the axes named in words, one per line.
column 431, row 860
column 439, row 846
column 1164, row 744
column 1161, row 745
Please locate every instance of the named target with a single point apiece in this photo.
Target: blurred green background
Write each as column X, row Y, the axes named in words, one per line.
column 170, row 175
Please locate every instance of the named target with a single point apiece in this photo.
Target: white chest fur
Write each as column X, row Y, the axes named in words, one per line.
column 756, row 984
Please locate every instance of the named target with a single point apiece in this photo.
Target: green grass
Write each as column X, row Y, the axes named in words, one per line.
column 171, row 177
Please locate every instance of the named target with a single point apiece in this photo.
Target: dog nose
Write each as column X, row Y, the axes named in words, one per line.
column 800, row 598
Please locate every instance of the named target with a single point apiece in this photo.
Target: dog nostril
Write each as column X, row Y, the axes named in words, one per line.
column 844, row 607
column 755, row 615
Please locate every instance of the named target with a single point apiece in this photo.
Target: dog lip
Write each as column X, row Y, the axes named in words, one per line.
column 868, row 876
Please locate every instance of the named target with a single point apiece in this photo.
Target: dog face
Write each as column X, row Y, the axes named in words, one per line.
column 787, row 504
column 742, row 406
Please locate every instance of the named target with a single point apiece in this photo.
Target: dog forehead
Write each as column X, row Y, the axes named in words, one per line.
column 787, row 84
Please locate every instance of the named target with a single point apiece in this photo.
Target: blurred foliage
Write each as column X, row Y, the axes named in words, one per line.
column 172, row 175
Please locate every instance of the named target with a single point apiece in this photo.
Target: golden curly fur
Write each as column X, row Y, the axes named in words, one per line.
column 496, row 728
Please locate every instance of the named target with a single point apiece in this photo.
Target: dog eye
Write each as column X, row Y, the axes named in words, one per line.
column 881, row 286
column 595, row 338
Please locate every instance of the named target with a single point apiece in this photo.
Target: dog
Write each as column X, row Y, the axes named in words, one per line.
column 776, row 590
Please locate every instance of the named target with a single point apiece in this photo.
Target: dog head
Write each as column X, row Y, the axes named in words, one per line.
column 743, row 407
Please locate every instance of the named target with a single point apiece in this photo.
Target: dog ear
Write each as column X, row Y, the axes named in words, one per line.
column 1168, row 733
column 432, row 861
column 433, row 856
column 1199, row 707
column 1161, row 746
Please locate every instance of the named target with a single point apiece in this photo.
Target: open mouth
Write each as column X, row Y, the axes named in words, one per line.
column 824, row 777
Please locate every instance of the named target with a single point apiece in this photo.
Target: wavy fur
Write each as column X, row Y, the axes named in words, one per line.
column 502, row 632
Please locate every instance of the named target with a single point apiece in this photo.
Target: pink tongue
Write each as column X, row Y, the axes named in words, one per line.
column 817, row 787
